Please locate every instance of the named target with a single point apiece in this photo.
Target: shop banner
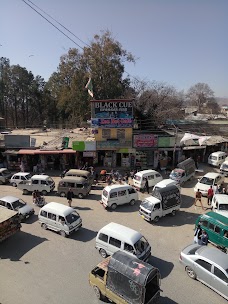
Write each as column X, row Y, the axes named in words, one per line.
column 145, row 141
column 166, row 142
column 103, row 145
column 112, row 123
column 113, row 109
column 89, row 154
column 84, row 145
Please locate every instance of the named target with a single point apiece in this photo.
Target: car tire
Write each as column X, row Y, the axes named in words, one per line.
column 62, row 233
column 62, row 194
column 80, row 195
column 14, row 184
column 190, row 272
column 113, row 206
column 44, row 192
column 103, row 253
column 132, row 202
column 173, row 212
column 25, row 191
column 44, row 226
column 156, row 219
column 97, row 292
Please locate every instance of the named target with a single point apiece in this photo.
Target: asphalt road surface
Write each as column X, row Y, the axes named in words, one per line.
column 40, row 266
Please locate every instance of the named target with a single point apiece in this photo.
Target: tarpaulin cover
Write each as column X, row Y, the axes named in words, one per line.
column 127, row 276
column 170, row 196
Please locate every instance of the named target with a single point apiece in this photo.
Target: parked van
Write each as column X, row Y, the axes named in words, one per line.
column 216, row 158
column 80, row 173
column 140, row 178
column 219, row 204
column 80, row 187
column 224, row 167
column 60, row 218
column 184, row 171
column 114, row 237
column 115, row 195
column 19, row 177
column 216, row 226
column 5, row 175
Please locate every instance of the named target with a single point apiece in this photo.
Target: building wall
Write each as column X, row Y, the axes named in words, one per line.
column 100, row 136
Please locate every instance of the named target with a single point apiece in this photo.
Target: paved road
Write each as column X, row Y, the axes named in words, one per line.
column 39, row 266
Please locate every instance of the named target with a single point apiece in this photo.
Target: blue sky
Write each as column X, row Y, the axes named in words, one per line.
column 180, row 42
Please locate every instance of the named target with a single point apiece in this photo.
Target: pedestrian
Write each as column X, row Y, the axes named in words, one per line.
column 198, row 197
column 126, row 177
column 224, row 191
column 218, row 189
column 147, row 186
column 210, row 194
column 69, row 196
column 204, row 238
column 197, row 234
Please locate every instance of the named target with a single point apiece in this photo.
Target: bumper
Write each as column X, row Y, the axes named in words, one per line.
column 75, row 228
column 103, row 204
column 27, row 215
column 145, row 216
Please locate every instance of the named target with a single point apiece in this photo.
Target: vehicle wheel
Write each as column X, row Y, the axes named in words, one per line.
column 97, row 292
column 14, row 184
column 44, row 226
column 132, row 202
column 62, row 233
column 25, row 191
column 113, row 207
column 103, row 253
column 62, row 194
column 173, row 212
column 156, row 219
column 191, row 273
column 80, row 195
column 44, row 192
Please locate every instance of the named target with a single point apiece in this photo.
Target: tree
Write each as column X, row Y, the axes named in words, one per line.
column 200, row 94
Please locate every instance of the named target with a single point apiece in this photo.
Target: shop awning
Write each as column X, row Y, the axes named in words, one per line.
column 11, row 152
column 194, row 147
column 38, row 151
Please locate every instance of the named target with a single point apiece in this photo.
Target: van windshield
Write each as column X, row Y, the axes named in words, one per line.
column 146, row 204
column 223, row 207
column 105, row 193
column 224, row 166
column 50, row 181
column 141, row 245
column 207, row 181
column 18, row 204
column 72, row 217
column 137, row 177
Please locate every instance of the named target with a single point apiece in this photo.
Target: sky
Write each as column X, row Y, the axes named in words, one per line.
column 179, row 42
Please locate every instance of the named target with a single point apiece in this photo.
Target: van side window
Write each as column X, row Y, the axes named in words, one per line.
column 226, row 234
column 203, row 223
column 218, row 273
column 115, row 242
column 52, row 216
column 79, row 185
column 43, row 213
column 211, row 226
column 217, row 229
column 35, row 182
column 157, row 175
column 103, row 237
column 43, row 182
column 204, row 264
column 113, row 194
column 61, row 220
column 128, row 247
column 122, row 193
column 9, row 206
column 2, row 203
column 131, row 191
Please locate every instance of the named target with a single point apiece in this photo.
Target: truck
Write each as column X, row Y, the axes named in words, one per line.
column 161, row 202
column 184, row 171
column 43, row 183
column 9, row 223
column 123, row 279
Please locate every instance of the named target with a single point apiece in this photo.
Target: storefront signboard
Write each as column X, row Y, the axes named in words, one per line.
column 145, row 141
column 166, row 142
column 112, row 122
column 84, row 145
column 17, row 141
column 103, row 145
column 89, row 154
column 112, row 109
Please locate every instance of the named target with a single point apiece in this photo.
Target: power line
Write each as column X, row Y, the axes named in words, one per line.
column 52, row 24
column 58, row 22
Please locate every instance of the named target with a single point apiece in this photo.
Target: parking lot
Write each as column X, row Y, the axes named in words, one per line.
column 40, row 266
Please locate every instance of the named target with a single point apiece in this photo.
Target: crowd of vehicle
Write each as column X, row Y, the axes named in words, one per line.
column 125, row 250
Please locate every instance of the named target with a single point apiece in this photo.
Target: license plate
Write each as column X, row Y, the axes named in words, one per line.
column 143, row 216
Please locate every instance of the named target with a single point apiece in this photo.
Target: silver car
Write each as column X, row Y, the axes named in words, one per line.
column 208, row 265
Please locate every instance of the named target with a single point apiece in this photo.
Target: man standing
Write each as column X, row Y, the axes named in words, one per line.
column 69, row 196
column 210, row 194
column 204, row 238
column 147, row 186
column 198, row 198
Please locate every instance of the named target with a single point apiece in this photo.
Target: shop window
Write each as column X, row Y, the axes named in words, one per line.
column 106, row 133
column 121, row 133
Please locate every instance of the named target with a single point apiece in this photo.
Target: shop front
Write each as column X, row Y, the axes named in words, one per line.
column 86, row 153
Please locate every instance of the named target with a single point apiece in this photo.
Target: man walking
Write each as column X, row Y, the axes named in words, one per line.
column 198, row 197
column 210, row 194
column 147, row 186
column 69, row 196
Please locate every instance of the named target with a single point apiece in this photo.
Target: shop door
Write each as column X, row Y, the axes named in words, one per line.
column 118, row 159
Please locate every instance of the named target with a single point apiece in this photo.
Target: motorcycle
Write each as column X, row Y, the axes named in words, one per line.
column 40, row 201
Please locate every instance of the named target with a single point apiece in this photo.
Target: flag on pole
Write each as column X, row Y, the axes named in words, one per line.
column 89, row 86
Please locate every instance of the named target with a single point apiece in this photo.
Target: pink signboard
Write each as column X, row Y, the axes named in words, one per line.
column 145, row 141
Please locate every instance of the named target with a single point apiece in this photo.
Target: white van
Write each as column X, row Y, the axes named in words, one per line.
column 19, row 177
column 114, row 237
column 224, row 167
column 219, row 204
column 166, row 182
column 60, row 218
column 140, row 178
column 118, row 195
column 217, row 158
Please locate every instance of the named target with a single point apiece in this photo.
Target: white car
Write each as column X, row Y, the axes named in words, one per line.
column 19, row 177
column 17, row 204
column 210, row 179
